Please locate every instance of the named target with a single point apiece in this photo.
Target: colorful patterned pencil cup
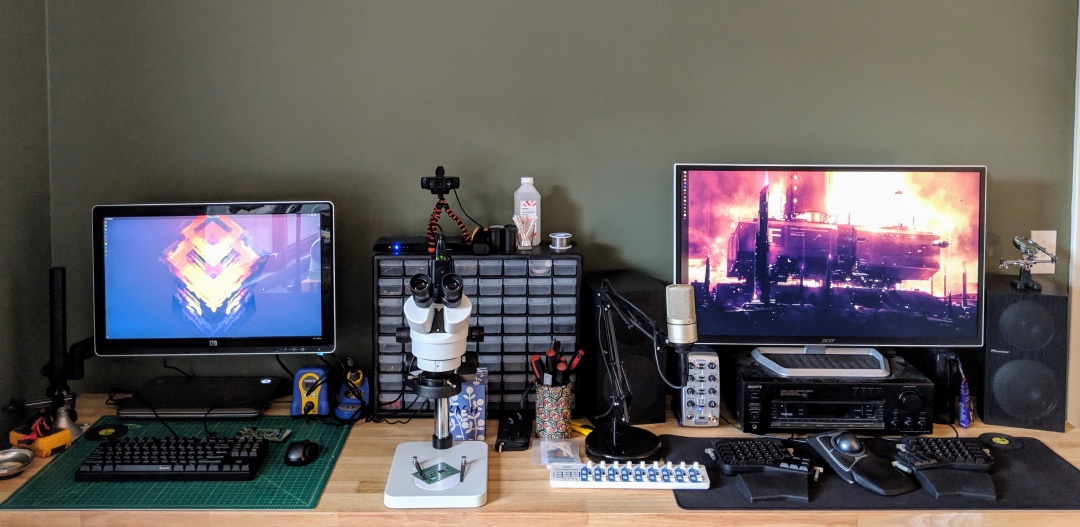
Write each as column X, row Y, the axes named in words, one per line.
column 553, row 411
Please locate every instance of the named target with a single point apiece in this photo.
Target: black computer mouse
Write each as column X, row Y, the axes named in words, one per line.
column 300, row 453
column 847, row 442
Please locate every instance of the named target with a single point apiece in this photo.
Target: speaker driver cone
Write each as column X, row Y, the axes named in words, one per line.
column 1026, row 325
column 1026, row 389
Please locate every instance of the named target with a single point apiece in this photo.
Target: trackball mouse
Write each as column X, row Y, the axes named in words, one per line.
column 300, row 453
column 847, row 443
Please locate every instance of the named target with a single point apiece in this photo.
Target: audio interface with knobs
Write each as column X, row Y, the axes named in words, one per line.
column 764, row 401
column 700, row 401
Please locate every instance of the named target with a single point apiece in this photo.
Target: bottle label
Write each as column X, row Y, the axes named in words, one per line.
column 527, row 207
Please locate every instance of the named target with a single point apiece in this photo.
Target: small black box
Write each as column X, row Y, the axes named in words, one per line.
column 648, row 403
column 942, row 367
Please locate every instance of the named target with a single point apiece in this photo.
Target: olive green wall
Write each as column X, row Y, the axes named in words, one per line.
column 24, row 200
column 354, row 101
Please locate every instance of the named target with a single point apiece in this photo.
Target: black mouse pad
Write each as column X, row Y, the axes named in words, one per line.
column 1027, row 477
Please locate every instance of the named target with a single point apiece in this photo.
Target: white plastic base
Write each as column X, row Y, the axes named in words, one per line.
column 405, row 491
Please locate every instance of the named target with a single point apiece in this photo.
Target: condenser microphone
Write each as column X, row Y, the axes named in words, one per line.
column 681, row 317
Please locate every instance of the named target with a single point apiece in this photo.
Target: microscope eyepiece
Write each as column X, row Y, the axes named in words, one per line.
column 421, row 290
column 452, row 286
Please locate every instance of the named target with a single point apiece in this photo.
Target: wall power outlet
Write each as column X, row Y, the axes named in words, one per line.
column 1048, row 240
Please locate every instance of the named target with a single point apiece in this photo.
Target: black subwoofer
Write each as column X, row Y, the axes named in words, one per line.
column 1026, row 356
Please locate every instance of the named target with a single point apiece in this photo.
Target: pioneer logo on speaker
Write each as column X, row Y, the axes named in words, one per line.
column 995, row 350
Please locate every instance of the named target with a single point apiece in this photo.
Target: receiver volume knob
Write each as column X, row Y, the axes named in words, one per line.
column 911, row 402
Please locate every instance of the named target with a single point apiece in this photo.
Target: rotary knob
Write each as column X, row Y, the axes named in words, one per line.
column 910, row 401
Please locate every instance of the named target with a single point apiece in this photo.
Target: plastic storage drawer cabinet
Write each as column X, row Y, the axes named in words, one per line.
column 523, row 302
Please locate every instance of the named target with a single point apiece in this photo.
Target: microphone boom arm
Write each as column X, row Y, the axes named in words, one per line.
column 620, row 441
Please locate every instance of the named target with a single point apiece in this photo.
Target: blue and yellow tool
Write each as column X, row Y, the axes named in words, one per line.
column 310, row 391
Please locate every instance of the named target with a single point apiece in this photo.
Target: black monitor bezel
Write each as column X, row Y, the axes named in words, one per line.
column 324, row 343
column 680, row 243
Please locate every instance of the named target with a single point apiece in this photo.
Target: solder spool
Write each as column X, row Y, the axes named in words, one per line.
column 560, row 241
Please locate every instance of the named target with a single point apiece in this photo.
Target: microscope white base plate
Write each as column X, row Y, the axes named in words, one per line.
column 405, row 491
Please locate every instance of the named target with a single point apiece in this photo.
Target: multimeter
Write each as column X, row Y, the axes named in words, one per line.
column 311, row 391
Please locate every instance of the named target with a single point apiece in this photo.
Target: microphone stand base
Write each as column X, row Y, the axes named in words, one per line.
column 630, row 444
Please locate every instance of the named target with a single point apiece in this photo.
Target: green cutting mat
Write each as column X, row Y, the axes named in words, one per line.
column 277, row 486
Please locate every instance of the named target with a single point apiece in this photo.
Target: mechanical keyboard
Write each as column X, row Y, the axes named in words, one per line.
column 174, row 459
column 628, row 476
column 735, row 456
column 926, row 453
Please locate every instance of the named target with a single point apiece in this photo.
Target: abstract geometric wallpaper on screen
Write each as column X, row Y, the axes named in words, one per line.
column 211, row 276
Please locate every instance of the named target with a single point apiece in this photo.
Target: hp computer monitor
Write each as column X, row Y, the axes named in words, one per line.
column 214, row 279
column 833, row 255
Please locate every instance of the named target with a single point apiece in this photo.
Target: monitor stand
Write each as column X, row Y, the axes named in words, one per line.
column 202, row 397
column 822, row 361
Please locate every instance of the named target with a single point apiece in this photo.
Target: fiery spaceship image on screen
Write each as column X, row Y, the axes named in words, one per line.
column 851, row 254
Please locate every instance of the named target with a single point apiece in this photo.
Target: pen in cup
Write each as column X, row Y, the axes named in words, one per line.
column 561, row 373
column 576, row 359
column 537, row 366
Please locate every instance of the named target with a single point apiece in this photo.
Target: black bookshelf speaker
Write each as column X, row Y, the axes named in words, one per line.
column 1025, row 361
column 648, row 403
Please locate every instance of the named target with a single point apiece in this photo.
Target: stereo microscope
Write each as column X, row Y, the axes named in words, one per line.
column 438, row 473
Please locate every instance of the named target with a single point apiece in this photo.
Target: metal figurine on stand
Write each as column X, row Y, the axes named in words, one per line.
column 438, row 473
column 1029, row 256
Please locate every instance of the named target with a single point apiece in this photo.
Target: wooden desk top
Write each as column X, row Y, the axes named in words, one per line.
column 518, row 492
